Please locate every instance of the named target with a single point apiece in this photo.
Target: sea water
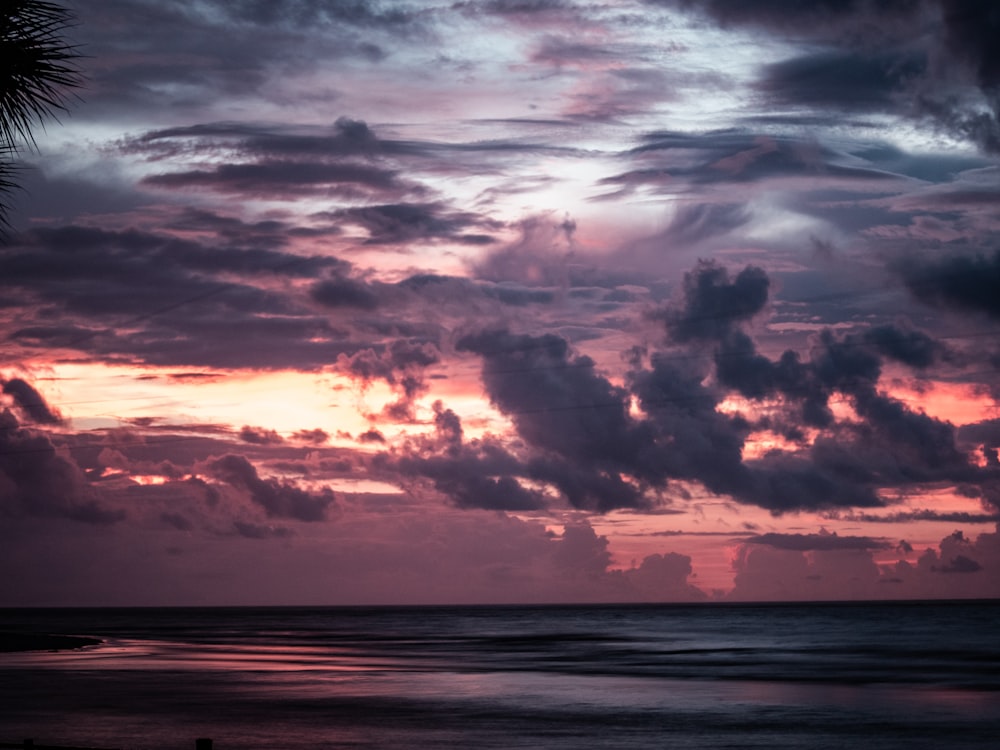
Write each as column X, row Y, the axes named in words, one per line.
column 905, row 675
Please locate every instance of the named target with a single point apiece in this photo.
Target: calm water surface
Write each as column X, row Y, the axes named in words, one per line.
column 711, row 676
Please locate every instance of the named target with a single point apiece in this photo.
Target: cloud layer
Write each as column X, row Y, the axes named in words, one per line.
column 491, row 301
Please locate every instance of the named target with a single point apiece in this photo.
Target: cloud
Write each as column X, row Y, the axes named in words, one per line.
column 700, row 221
column 314, row 436
column 278, row 499
column 820, row 19
column 401, row 364
column 842, row 81
column 586, row 444
column 260, row 436
column 477, row 476
column 403, row 223
column 288, row 180
column 963, row 283
column 824, row 566
column 664, row 578
column 151, row 297
column 713, row 304
column 317, row 13
column 30, row 402
column 820, row 541
column 340, row 292
column 37, row 479
column 675, row 161
column 563, row 408
column 924, row 59
column 911, row 347
column 539, row 257
column 257, row 531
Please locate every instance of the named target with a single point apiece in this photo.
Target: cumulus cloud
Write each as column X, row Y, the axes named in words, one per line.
column 825, row 566
column 38, row 479
column 713, row 304
column 278, row 499
column 664, row 578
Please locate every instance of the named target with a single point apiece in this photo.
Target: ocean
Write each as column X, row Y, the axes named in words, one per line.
column 885, row 675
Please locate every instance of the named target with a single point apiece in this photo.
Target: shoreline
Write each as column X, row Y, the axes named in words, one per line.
column 15, row 642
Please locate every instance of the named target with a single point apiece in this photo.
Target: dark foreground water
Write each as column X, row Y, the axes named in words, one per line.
column 832, row 676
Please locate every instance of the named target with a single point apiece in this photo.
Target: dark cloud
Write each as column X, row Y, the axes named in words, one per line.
column 963, row 283
column 315, row 436
column 345, row 138
column 347, row 142
column 892, row 444
column 959, row 564
column 288, row 180
column 401, row 364
column 986, row 433
column 278, row 499
column 738, row 365
column 971, row 28
column 575, row 421
column 913, row 348
column 820, row 18
column 466, row 480
column 700, row 443
column 342, row 292
column 805, row 542
column 557, row 401
column 141, row 296
column 841, row 80
column 399, row 356
column 713, row 304
column 38, row 479
column 920, row 58
column 480, row 474
column 692, row 439
column 401, row 223
column 448, row 427
column 30, row 402
column 203, row 50
column 917, row 515
column 260, row 436
column 313, row 13
column 585, row 443
column 508, row 8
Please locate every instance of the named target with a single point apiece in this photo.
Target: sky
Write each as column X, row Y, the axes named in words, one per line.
column 502, row 301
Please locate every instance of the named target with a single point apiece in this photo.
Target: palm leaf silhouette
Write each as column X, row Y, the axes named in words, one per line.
column 37, row 72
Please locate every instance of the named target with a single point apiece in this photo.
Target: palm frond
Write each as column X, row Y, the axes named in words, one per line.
column 38, row 66
column 7, row 185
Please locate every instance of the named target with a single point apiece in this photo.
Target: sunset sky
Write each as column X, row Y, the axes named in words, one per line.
column 351, row 302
